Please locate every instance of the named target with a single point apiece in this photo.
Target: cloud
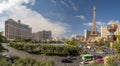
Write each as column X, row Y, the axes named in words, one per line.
column 67, row 4
column 81, row 17
column 7, row 4
column 63, row 2
column 53, row 1
column 98, row 23
column 56, row 16
column 73, row 5
column 88, row 24
column 17, row 11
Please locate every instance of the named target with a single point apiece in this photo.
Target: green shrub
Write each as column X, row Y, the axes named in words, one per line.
column 4, row 62
column 2, row 49
column 45, row 62
column 47, row 49
column 96, row 64
column 73, row 43
column 117, row 47
column 25, row 61
column 111, row 60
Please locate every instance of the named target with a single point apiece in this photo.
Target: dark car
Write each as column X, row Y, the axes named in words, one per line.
column 97, row 57
column 65, row 60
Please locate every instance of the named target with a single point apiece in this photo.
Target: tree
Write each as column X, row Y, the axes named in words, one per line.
column 107, row 44
column 101, row 42
column 95, row 42
column 117, row 45
column 118, row 37
column 1, row 48
column 2, row 38
column 69, row 42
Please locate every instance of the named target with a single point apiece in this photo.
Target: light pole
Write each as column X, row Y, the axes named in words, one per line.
column 18, row 29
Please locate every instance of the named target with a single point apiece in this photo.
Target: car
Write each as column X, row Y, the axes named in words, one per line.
column 100, row 52
column 7, row 55
column 100, row 60
column 84, row 62
column 65, row 60
column 97, row 57
column 71, row 57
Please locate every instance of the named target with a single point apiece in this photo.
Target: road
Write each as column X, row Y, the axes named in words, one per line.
column 57, row 59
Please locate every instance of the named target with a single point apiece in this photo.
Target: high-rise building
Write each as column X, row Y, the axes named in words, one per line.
column 15, row 30
column 86, row 34
column 42, row 36
column 35, row 37
column 104, row 31
column 77, row 37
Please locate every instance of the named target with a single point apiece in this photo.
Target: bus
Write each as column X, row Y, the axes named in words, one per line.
column 87, row 57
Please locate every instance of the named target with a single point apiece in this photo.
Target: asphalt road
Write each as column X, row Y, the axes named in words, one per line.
column 57, row 59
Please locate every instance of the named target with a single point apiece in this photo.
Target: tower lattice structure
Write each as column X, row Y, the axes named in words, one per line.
column 94, row 29
column 93, row 33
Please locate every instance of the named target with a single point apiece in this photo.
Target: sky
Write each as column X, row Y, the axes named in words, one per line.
column 62, row 17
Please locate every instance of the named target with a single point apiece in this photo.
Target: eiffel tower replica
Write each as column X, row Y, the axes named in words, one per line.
column 93, row 33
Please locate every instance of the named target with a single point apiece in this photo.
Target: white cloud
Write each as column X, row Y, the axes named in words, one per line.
column 88, row 24
column 67, row 4
column 73, row 6
column 63, row 2
column 98, row 23
column 7, row 4
column 16, row 10
column 53, row 1
column 81, row 17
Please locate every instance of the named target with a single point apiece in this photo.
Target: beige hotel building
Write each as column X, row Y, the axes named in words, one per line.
column 15, row 29
column 104, row 31
column 42, row 36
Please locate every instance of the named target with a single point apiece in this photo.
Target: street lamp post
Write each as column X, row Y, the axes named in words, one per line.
column 18, row 29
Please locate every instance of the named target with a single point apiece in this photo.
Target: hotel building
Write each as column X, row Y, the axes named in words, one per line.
column 86, row 34
column 104, row 31
column 15, row 30
column 77, row 37
column 42, row 36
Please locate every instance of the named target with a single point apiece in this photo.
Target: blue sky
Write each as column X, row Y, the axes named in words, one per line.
column 67, row 11
column 75, row 15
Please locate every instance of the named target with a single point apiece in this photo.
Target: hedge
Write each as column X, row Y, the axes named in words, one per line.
column 47, row 49
column 25, row 61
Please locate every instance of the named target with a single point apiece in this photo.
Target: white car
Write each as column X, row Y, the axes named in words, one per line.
column 100, row 52
column 7, row 55
column 71, row 57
